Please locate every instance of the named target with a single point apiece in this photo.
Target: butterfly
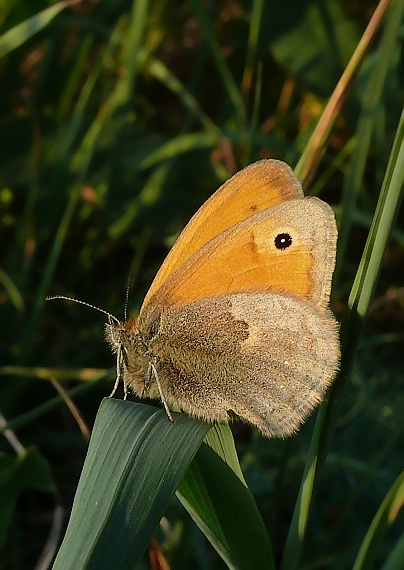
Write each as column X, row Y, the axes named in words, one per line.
column 236, row 323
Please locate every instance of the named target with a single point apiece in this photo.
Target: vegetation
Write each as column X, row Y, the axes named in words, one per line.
column 118, row 120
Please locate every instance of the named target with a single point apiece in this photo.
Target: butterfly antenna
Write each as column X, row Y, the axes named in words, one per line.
column 51, row 297
column 125, row 309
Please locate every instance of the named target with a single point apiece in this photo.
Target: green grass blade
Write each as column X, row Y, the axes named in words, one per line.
column 28, row 418
column 252, row 46
column 396, row 557
column 29, row 470
column 370, row 115
column 19, row 34
column 13, row 292
column 180, row 145
column 227, row 79
column 384, row 518
column 220, row 439
column 216, row 496
column 386, row 212
column 135, row 461
column 318, row 141
column 161, row 72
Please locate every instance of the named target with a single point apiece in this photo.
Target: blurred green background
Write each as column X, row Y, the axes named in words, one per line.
column 118, row 119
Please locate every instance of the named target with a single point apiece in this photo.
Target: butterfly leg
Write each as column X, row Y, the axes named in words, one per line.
column 153, row 371
column 121, row 363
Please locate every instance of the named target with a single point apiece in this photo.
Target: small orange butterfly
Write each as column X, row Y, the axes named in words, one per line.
column 236, row 321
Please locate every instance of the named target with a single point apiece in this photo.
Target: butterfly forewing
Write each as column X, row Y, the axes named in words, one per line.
column 289, row 249
column 253, row 189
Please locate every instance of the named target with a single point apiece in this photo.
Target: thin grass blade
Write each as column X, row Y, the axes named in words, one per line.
column 216, row 496
column 19, row 34
column 384, row 518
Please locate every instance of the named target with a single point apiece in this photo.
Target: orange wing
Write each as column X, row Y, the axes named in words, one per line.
column 253, row 189
column 289, row 248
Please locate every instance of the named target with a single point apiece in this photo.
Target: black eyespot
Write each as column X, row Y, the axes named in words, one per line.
column 282, row 241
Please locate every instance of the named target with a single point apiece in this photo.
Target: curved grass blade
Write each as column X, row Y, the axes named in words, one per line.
column 367, row 125
column 161, row 72
column 135, row 461
column 317, row 144
column 221, row 63
column 252, row 46
column 216, row 496
column 384, row 518
column 20, row 33
column 27, row 418
column 396, row 556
